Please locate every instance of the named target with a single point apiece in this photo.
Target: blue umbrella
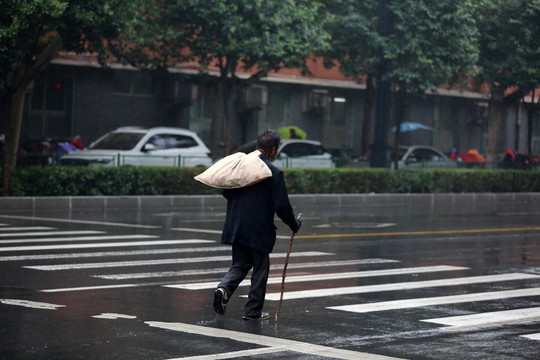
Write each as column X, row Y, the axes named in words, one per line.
column 410, row 126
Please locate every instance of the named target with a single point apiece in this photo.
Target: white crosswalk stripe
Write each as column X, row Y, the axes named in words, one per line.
column 155, row 262
column 46, row 233
column 93, row 245
column 330, row 276
column 28, row 228
column 80, row 238
column 439, row 300
column 494, row 318
column 222, row 270
column 120, row 253
column 400, row 286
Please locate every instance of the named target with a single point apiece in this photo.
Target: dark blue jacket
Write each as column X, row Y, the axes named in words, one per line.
column 250, row 212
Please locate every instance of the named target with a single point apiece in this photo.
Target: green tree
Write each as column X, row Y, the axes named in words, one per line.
column 32, row 32
column 431, row 43
column 509, row 60
column 231, row 35
column 353, row 26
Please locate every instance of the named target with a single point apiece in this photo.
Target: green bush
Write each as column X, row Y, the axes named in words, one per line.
column 129, row 180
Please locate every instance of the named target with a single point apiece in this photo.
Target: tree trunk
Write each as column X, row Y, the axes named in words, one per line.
column 495, row 125
column 13, row 118
column 217, row 120
column 14, row 101
column 367, row 125
column 401, row 105
column 531, row 111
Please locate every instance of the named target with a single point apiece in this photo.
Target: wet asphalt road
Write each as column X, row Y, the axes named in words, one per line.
column 388, row 284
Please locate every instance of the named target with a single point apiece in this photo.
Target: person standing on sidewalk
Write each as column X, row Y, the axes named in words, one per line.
column 249, row 227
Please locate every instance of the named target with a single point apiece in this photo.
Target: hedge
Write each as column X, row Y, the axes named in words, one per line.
column 129, row 180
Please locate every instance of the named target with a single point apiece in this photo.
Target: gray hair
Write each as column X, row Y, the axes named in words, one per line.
column 268, row 139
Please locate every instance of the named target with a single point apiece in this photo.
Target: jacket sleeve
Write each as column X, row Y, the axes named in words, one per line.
column 282, row 204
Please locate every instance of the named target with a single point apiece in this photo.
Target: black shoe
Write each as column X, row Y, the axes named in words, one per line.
column 220, row 300
column 263, row 316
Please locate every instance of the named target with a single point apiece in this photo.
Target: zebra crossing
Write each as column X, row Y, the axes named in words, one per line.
column 33, row 248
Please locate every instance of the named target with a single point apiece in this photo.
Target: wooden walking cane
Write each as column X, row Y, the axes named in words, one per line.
column 284, row 272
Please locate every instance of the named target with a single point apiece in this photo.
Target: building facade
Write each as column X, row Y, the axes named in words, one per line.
column 75, row 96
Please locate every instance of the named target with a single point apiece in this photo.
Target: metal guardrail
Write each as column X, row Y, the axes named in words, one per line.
column 181, row 161
column 111, row 160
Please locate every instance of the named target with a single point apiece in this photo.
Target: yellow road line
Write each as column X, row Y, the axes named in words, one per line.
column 470, row 231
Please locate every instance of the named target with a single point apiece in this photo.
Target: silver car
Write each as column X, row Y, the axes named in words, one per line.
column 422, row 156
column 296, row 153
column 158, row 146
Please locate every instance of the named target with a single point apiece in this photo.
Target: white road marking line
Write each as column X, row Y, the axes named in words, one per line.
column 121, row 253
column 44, row 233
column 207, row 231
column 532, row 336
column 440, row 300
column 236, row 354
column 488, row 319
column 397, row 286
column 152, row 262
column 27, row 228
column 79, row 238
column 91, row 245
column 223, row 270
column 31, row 304
column 102, row 287
column 330, row 276
column 162, row 274
column 113, row 316
column 272, row 342
column 73, row 221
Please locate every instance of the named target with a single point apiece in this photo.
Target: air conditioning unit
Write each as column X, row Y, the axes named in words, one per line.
column 254, row 97
column 180, row 93
column 315, row 100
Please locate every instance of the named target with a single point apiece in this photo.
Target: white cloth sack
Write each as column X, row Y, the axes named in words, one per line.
column 235, row 171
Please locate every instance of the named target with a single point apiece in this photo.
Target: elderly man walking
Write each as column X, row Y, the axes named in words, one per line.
column 249, row 227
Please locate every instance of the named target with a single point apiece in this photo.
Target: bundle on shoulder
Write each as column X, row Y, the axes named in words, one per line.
column 235, row 171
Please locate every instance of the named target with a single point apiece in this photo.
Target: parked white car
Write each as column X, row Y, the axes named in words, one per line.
column 296, row 153
column 158, row 146
column 422, row 156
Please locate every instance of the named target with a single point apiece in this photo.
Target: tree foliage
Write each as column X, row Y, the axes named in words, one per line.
column 509, row 57
column 431, row 43
column 32, row 32
column 230, row 34
column 225, row 36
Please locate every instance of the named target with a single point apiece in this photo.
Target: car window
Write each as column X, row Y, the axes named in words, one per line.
column 425, row 155
column 302, row 149
column 181, row 141
column 159, row 142
column 118, row 141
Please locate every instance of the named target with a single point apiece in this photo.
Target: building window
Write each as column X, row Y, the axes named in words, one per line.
column 49, row 107
column 339, row 110
column 138, row 83
column 49, row 94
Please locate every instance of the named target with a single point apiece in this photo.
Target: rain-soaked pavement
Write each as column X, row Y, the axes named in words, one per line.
column 387, row 284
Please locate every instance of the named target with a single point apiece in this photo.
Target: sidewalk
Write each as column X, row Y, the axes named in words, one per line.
column 418, row 204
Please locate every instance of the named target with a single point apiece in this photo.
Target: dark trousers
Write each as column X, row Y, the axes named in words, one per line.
column 243, row 259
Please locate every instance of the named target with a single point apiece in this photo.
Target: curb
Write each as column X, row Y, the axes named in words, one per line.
column 417, row 204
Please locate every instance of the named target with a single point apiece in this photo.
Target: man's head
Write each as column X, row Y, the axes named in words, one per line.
column 268, row 142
